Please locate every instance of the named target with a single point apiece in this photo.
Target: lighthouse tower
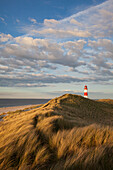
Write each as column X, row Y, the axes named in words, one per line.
column 85, row 92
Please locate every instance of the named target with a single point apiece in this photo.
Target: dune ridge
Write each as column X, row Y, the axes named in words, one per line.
column 68, row 132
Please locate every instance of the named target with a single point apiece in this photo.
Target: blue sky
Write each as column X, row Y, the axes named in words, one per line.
column 48, row 48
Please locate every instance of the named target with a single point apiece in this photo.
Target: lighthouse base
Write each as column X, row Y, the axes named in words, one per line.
column 86, row 96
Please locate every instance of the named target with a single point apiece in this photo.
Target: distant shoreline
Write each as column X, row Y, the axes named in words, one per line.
column 14, row 108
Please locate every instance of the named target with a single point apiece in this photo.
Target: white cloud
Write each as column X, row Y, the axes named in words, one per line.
column 45, row 54
column 76, row 45
column 40, row 49
column 33, row 20
column 73, row 21
column 18, row 80
column 2, row 19
column 106, row 14
column 50, row 22
column 26, row 41
column 105, row 44
column 5, row 37
column 96, row 22
column 17, row 20
column 60, row 33
column 80, row 46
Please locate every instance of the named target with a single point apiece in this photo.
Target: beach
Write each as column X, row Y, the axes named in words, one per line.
column 14, row 108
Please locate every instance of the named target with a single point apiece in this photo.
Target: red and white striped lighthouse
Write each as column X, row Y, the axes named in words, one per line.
column 85, row 92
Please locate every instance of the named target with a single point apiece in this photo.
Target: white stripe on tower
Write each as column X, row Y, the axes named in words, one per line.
column 85, row 90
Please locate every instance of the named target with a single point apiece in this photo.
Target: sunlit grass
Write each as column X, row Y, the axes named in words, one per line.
column 69, row 132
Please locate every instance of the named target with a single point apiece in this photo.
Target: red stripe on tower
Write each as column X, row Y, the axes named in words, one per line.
column 85, row 92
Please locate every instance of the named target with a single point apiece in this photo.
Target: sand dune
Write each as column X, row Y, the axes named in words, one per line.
column 69, row 132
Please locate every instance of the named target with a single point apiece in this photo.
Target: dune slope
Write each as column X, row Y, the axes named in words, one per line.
column 68, row 132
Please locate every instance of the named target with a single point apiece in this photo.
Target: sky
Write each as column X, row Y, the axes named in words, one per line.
column 49, row 48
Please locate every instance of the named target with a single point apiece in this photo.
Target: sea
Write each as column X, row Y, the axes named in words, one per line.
column 21, row 102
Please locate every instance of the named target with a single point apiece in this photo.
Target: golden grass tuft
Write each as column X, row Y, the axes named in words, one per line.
column 68, row 132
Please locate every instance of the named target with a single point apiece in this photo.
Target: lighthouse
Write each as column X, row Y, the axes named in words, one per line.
column 85, row 92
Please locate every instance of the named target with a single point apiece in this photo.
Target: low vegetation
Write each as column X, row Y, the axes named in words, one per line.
column 67, row 133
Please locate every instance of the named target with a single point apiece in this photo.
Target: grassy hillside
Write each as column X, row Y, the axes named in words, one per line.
column 69, row 132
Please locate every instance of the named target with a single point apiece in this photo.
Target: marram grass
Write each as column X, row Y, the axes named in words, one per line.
column 68, row 133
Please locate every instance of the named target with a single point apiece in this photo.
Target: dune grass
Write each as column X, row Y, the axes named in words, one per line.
column 69, row 132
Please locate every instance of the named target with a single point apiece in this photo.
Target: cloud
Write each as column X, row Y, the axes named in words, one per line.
column 106, row 14
column 17, row 20
column 76, row 49
column 92, row 95
column 26, row 41
column 95, row 22
column 59, row 93
column 5, row 37
column 98, row 20
column 40, row 49
column 75, row 45
column 105, row 44
column 37, row 80
column 103, row 55
column 32, row 54
column 59, row 33
column 34, row 21
column 50, row 22
column 2, row 19
column 73, row 21
column 45, row 64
